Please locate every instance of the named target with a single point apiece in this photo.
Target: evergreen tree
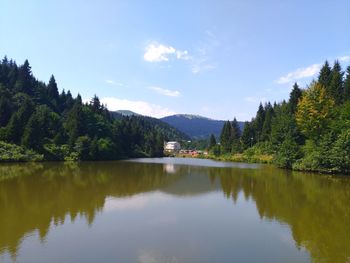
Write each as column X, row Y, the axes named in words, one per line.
column 5, row 110
column 225, row 137
column 75, row 121
column 325, row 75
column 294, row 97
column 52, row 92
column 336, row 84
column 25, row 81
column 259, row 122
column 248, row 136
column 283, row 124
column 212, row 141
column 266, row 129
column 347, row 85
column 95, row 104
column 235, row 136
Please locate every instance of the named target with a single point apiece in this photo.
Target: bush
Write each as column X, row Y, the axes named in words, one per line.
column 288, row 153
column 340, row 153
column 14, row 153
column 53, row 152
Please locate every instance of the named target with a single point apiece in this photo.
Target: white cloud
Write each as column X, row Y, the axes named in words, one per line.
column 201, row 66
column 141, row 107
column 166, row 92
column 307, row 72
column 182, row 55
column 156, row 52
column 300, row 73
column 202, row 61
column 344, row 59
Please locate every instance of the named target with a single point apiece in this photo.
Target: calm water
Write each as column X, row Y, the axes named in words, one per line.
column 171, row 210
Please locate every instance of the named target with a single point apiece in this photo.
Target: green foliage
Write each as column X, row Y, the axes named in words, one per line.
column 336, row 84
column 340, row 153
column 314, row 111
column 230, row 137
column 60, row 127
column 288, row 153
column 15, row 153
column 325, row 76
column 347, row 85
column 309, row 132
column 215, row 150
column 212, row 142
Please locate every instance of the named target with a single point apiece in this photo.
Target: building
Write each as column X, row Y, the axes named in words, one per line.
column 172, row 147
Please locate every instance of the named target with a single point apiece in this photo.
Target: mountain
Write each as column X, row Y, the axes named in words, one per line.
column 170, row 133
column 195, row 126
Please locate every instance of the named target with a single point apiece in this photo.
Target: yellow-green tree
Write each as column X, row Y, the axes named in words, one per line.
column 314, row 111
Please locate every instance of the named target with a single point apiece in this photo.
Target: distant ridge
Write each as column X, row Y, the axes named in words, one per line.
column 196, row 126
column 170, row 133
column 182, row 126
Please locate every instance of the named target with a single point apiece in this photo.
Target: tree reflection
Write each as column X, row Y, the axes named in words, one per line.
column 34, row 196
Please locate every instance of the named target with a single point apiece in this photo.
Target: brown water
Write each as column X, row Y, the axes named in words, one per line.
column 171, row 210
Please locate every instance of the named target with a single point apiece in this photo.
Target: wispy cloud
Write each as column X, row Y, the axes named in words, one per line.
column 300, row 73
column 155, row 52
column 344, row 59
column 202, row 60
column 307, row 72
column 166, row 92
column 141, row 107
column 113, row 83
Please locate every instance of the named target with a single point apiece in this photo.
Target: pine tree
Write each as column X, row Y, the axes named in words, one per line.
column 248, row 135
column 347, row 85
column 235, row 136
column 294, row 97
column 266, row 130
column 212, row 141
column 336, row 84
column 225, row 137
column 259, row 122
column 5, row 110
column 25, row 82
column 95, row 104
column 52, row 92
column 325, row 75
column 75, row 121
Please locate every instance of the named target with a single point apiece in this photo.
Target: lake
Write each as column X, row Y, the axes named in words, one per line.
column 171, row 210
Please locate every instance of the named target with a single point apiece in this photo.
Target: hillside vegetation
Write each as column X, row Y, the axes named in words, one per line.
column 37, row 122
column 310, row 131
column 197, row 127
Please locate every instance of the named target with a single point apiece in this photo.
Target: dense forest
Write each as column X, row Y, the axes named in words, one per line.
column 37, row 122
column 310, row 131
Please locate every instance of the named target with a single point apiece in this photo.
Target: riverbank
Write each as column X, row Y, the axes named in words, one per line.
column 10, row 153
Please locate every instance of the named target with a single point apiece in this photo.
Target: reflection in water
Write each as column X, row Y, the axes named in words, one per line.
column 39, row 197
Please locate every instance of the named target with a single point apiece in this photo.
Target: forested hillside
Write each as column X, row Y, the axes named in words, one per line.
column 310, row 131
column 37, row 122
column 197, row 127
column 169, row 132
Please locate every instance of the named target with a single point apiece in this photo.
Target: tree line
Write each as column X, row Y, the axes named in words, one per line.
column 37, row 122
column 310, row 131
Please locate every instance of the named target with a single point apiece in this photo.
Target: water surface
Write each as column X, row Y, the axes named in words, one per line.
column 171, row 210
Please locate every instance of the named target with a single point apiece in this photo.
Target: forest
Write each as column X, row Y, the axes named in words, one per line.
column 309, row 132
column 37, row 122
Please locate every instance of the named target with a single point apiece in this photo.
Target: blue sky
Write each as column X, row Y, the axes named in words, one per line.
column 213, row 58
